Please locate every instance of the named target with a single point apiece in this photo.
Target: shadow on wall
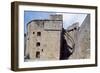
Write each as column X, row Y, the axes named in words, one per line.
column 65, row 52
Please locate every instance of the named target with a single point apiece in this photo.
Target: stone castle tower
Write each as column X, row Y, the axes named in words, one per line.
column 43, row 38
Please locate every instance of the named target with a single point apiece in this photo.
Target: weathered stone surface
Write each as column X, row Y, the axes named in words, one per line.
column 43, row 39
column 46, row 40
column 82, row 40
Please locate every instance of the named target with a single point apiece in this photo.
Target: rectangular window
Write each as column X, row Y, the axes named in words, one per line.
column 37, row 54
column 38, row 44
column 38, row 33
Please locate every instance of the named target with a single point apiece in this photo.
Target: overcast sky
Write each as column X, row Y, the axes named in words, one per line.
column 68, row 18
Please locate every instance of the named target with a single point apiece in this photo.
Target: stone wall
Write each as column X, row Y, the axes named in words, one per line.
column 82, row 40
column 43, row 39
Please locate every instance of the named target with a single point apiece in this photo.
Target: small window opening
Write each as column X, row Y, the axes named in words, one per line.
column 33, row 32
column 42, row 50
column 38, row 44
column 37, row 54
column 75, row 28
column 38, row 33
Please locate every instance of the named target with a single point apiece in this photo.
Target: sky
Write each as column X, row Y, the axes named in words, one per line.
column 68, row 18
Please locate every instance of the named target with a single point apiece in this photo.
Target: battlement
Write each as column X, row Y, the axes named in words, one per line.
column 55, row 22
